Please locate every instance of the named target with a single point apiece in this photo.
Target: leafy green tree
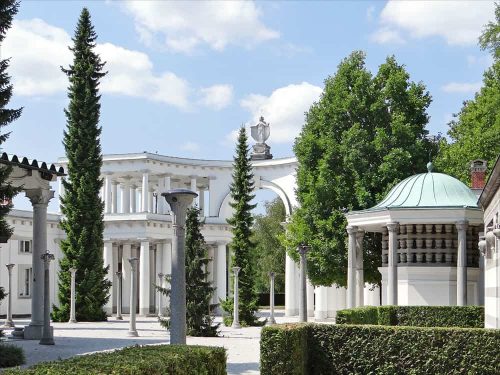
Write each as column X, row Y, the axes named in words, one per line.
column 365, row 134
column 199, row 291
column 269, row 251
column 8, row 10
column 81, row 205
column 242, row 247
column 475, row 130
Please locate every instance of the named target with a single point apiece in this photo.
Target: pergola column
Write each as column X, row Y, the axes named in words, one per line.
column 360, row 277
column 392, row 266
column 462, row 263
column 351, row 266
column 144, row 278
column 291, row 287
column 39, row 199
column 108, row 262
column 145, row 190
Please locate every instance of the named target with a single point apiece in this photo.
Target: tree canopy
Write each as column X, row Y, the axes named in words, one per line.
column 365, row 134
column 475, row 131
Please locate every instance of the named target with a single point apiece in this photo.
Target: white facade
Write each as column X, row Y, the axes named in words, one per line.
column 490, row 247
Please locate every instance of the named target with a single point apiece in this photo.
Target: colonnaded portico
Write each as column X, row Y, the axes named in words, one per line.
column 138, row 222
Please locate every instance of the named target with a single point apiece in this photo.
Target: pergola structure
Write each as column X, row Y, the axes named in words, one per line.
column 430, row 224
column 34, row 179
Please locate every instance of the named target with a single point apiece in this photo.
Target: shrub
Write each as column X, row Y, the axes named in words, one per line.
column 152, row 360
column 350, row 349
column 417, row 316
column 11, row 355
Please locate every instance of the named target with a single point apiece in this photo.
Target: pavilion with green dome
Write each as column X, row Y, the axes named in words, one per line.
column 430, row 225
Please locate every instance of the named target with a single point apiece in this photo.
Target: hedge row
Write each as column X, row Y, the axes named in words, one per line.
column 152, row 360
column 416, row 316
column 11, row 355
column 349, row 349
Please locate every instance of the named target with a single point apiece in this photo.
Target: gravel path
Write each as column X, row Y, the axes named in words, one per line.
column 83, row 338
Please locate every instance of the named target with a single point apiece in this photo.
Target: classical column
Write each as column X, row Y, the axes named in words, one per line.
column 310, row 298
column 39, row 199
column 47, row 331
column 132, row 331
column 151, row 198
column 107, row 194
column 9, row 323
column 126, row 270
column 145, row 189
column 167, row 187
column 108, row 262
column 119, row 294
column 125, row 197
column 114, row 197
column 351, row 266
column 201, row 200
column 179, row 201
column 321, row 310
column 303, row 249
column 360, row 278
column 462, row 263
column 72, row 312
column 144, row 278
column 392, row 265
column 61, row 192
column 161, row 278
column 193, row 187
column 133, row 198
column 290, row 287
column 221, row 262
column 236, row 307
column 271, row 319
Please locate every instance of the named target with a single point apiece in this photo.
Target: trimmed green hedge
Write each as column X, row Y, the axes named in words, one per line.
column 151, row 360
column 415, row 316
column 350, row 349
column 11, row 355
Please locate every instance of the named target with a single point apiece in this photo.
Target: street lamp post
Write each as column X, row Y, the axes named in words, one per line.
column 236, row 315
column 303, row 249
column 47, row 332
column 271, row 320
column 119, row 297
column 72, row 313
column 179, row 200
column 9, row 323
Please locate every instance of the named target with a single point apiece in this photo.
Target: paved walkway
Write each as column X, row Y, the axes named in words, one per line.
column 83, row 338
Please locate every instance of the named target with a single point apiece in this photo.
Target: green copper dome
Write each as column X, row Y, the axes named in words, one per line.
column 429, row 190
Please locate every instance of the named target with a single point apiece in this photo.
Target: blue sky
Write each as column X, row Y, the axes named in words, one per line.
column 183, row 76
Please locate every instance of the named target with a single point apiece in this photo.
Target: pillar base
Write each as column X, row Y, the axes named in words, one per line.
column 320, row 315
column 132, row 334
column 144, row 312
column 8, row 324
column 291, row 312
column 72, row 321
column 270, row 322
column 33, row 332
column 119, row 318
column 237, row 325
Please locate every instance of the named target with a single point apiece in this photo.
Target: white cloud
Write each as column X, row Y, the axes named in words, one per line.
column 190, row 147
column 385, row 35
column 284, row 109
column 217, row 96
column 456, row 87
column 185, row 25
column 484, row 61
column 458, row 22
column 36, row 70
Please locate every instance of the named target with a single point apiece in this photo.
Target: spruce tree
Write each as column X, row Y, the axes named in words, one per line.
column 242, row 247
column 8, row 8
column 81, row 205
column 199, row 291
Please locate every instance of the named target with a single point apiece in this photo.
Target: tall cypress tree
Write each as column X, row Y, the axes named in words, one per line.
column 8, row 8
column 241, row 222
column 81, row 206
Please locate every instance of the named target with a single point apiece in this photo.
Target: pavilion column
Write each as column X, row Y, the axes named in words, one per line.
column 193, row 188
column 161, row 189
column 167, row 268
column 125, row 209
column 291, row 287
column 351, row 266
column 310, row 298
column 39, row 199
column 145, row 190
column 133, row 198
column 126, row 274
column 114, row 197
column 61, row 192
column 392, row 266
column 462, row 263
column 144, row 279
column 108, row 262
column 360, row 278
column 201, row 200
column 159, row 270
column 107, row 194
column 221, row 266
column 321, row 308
